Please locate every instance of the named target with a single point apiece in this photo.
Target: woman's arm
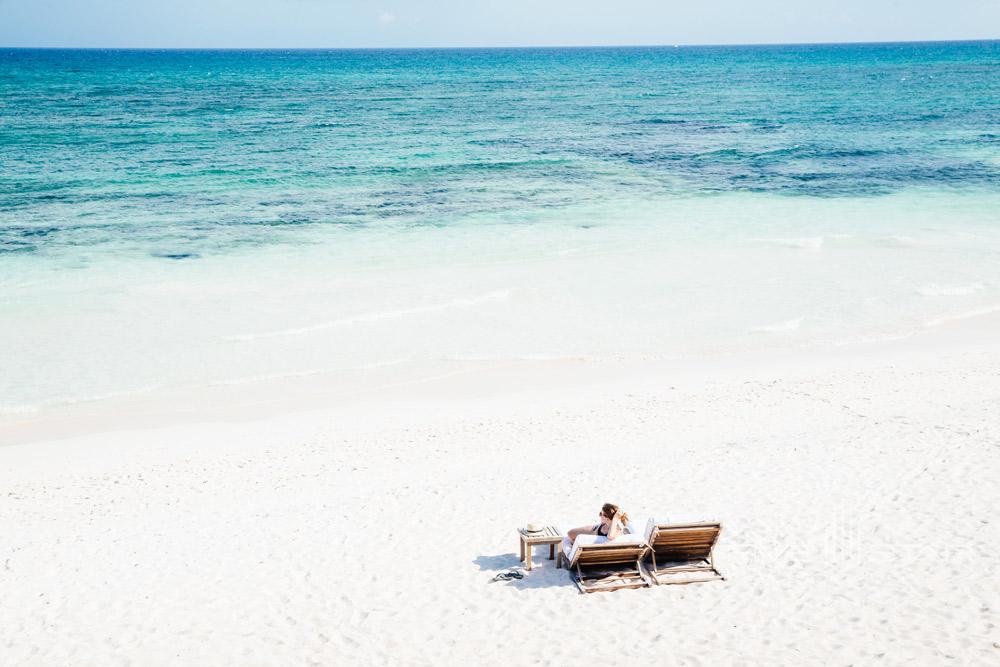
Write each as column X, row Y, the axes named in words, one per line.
column 582, row 530
column 616, row 528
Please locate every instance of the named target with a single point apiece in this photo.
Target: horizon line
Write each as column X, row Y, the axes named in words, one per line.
column 495, row 47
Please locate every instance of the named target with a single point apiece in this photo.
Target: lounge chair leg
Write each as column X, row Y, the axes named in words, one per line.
column 711, row 564
column 578, row 580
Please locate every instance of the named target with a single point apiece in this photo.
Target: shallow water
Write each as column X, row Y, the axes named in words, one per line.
column 185, row 218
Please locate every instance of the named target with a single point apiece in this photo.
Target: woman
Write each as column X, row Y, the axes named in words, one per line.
column 611, row 524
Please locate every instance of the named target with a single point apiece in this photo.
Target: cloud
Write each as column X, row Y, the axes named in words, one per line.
column 386, row 17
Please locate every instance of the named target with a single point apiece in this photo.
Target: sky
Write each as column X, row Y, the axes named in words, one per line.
column 452, row 23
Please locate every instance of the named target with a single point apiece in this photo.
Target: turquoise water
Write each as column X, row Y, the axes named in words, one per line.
column 185, row 153
column 183, row 218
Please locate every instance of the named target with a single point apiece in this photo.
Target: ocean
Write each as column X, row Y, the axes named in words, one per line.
column 171, row 220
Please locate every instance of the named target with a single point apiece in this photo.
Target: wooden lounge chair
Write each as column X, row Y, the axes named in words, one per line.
column 607, row 566
column 681, row 553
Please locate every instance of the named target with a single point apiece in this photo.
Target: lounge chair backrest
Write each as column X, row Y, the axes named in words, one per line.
column 608, row 553
column 684, row 542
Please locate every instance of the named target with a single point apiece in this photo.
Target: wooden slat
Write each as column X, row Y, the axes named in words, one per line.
column 663, row 529
column 633, row 549
column 624, row 558
column 680, row 539
column 686, row 539
column 685, row 550
column 607, row 558
column 596, row 554
column 685, row 542
column 681, row 547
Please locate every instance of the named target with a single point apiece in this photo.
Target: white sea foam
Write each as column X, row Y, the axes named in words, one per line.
column 895, row 241
column 74, row 400
column 950, row 290
column 496, row 295
column 19, row 409
column 517, row 357
column 806, row 242
column 969, row 314
column 778, row 327
column 865, row 338
column 305, row 373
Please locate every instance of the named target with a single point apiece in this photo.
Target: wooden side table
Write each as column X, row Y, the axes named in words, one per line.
column 549, row 535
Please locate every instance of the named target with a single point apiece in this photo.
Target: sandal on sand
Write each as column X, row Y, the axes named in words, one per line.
column 508, row 575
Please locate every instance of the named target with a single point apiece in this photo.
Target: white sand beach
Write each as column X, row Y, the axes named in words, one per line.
column 858, row 490
column 295, row 336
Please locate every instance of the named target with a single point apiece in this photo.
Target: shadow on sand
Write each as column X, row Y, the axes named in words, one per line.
column 543, row 574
